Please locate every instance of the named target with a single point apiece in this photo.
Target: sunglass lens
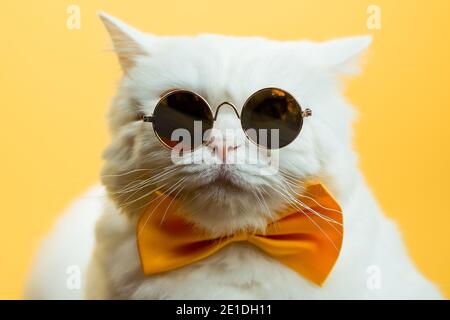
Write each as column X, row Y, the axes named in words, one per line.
column 181, row 118
column 272, row 118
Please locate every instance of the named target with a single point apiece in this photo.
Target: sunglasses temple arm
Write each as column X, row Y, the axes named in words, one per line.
column 307, row 113
column 141, row 116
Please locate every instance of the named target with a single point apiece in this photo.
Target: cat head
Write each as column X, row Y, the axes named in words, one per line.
column 220, row 197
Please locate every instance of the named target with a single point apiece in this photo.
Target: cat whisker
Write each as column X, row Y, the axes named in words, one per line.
column 185, row 203
column 130, row 184
column 288, row 177
column 303, row 195
column 292, row 185
column 308, row 208
column 261, row 202
column 138, row 185
column 182, row 186
column 298, row 204
column 316, row 202
column 290, row 200
column 164, row 195
column 145, row 195
column 124, row 174
column 151, row 180
column 155, row 198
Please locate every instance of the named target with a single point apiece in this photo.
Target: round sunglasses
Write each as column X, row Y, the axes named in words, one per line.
column 265, row 110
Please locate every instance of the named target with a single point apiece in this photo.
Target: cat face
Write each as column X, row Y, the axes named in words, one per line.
column 227, row 191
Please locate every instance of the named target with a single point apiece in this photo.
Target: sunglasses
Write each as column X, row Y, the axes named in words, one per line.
column 265, row 110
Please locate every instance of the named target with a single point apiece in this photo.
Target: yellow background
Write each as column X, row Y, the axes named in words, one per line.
column 56, row 84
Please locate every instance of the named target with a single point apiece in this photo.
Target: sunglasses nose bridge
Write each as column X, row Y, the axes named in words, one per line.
column 223, row 104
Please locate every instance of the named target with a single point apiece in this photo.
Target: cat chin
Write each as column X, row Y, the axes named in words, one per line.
column 218, row 220
column 222, row 209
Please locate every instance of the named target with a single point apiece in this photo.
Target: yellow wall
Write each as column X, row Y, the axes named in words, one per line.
column 56, row 83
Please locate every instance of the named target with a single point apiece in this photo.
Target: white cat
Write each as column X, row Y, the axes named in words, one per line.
column 373, row 262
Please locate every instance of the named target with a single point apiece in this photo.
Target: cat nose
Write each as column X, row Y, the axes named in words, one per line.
column 221, row 148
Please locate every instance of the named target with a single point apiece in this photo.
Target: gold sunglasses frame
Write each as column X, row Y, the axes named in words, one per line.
column 149, row 118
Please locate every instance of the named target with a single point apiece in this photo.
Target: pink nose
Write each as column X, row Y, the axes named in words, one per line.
column 221, row 148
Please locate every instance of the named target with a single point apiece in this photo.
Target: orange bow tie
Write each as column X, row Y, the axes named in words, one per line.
column 306, row 238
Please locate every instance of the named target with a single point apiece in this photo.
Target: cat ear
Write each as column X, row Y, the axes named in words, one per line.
column 343, row 54
column 128, row 42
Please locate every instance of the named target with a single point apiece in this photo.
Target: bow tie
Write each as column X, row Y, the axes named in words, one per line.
column 307, row 237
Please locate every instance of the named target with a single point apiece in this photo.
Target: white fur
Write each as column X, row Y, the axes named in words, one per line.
column 223, row 68
column 69, row 245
